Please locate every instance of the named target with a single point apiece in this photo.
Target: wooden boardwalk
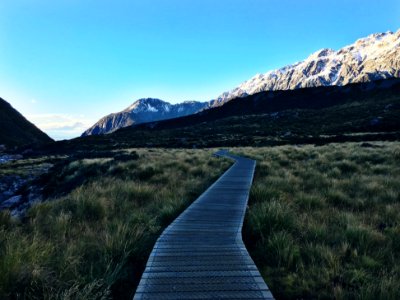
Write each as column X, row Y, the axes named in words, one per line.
column 201, row 255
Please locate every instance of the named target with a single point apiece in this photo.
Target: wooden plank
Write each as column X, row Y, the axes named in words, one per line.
column 201, row 255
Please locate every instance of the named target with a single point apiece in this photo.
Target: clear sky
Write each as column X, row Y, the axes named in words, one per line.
column 66, row 63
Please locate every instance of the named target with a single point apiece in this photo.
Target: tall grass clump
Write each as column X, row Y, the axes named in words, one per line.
column 92, row 240
column 324, row 222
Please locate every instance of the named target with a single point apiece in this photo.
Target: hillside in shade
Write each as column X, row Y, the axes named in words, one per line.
column 16, row 130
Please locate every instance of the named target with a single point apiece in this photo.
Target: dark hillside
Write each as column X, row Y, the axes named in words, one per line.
column 15, row 130
column 304, row 99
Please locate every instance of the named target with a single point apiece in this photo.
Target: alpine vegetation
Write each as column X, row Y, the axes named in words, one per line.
column 324, row 222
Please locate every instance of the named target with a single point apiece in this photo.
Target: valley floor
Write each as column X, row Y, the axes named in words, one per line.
column 323, row 222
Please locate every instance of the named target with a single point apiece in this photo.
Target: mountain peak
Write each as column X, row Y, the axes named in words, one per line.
column 322, row 53
column 143, row 102
column 151, row 100
column 144, row 110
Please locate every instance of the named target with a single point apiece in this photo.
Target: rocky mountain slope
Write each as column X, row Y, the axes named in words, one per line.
column 15, row 130
column 372, row 58
column 375, row 57
column 142, row 111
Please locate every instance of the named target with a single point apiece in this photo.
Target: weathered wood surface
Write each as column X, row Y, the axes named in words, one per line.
column 201, row 255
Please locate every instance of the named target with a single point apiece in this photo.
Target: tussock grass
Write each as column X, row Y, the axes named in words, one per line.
column 93, row 242
column 27, row 166
column 324, row 222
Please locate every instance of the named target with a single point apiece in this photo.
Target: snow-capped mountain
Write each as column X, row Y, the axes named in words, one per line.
column 374, row 57
column 142, row 111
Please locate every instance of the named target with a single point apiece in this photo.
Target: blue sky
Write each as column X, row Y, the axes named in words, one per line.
column 66, row 63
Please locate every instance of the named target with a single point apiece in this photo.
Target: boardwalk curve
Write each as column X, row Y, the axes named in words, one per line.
column 201, row 255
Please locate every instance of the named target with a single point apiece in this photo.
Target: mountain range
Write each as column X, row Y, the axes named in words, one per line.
column 364, row 111
column 372, row 58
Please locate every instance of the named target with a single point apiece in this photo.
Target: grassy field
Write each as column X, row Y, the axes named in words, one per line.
column 324, row 222
column 92, row 241
column 26, row 167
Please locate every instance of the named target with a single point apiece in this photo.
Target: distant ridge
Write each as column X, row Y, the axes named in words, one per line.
column 142, row 111
column 367, row 111
column 15, row 130
column 372, row 58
